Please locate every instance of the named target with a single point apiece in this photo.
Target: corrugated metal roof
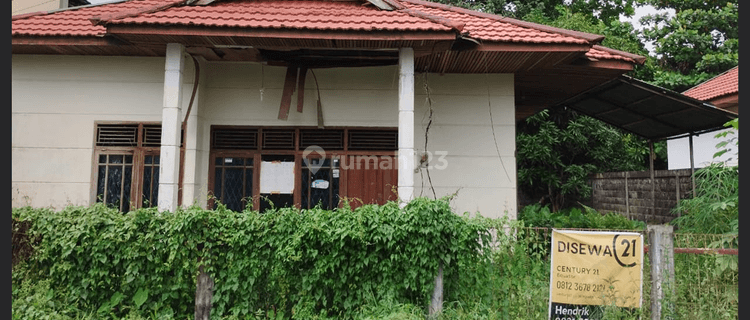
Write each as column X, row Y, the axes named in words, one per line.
column 723, row 84
column 649, row 111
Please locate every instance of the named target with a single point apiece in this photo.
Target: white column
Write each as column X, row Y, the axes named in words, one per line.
column 170, row 127
column 406, row 155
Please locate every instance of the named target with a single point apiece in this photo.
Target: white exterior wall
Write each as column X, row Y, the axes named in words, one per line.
column 56, row 100
column 462, row 135
column 704, row 147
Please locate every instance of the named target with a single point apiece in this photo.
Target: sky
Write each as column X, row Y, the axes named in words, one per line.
column 643, row 11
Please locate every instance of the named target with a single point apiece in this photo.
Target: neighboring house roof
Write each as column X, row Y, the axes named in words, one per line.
column 723, row 84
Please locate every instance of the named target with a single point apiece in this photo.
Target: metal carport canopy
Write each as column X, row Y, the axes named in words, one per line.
column 649, row 111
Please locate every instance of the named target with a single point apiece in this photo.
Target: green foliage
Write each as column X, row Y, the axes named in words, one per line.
column 285, row 263
column 731, row 143
column 536, row 215
column 700, row 41
column 714, row 209
column 558, row 149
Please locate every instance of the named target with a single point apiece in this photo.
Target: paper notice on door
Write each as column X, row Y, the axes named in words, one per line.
column 276, row 177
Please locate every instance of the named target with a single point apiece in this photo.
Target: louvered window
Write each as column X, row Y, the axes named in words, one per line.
column 235, row 139
column 326, row 139
column 117, row 135
column 127, row 165
column 278, row 139
column 381, row 140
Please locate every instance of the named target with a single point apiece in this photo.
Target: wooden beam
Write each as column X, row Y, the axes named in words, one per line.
column 286, row 96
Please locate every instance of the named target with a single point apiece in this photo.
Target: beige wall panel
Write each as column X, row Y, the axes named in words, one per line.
column 93, row 69
column 56, row 195
column 253, row 76
column 482, row 172
column 365, row 78
column 468, row 140
column 489, row 202
column 51, row 165
column 52, row 131
column 99, row 98
column 465, row 84
column 465, row 110
column 340, row 108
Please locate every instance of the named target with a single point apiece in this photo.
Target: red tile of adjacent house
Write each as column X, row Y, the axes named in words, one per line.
column 72, row 22
column 316, row 15
column 723, row 84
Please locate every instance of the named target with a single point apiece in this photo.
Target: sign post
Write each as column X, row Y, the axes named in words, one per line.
column 590, row 269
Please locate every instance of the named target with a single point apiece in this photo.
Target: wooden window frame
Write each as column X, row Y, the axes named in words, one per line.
column 256, row 154
column 138, row 152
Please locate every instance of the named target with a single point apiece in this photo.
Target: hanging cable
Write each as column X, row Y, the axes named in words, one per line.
column 492, row 122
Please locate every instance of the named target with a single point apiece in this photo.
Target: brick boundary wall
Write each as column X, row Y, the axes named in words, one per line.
column 608, row 193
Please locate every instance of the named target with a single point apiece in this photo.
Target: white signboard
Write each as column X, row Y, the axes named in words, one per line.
column 276, row 177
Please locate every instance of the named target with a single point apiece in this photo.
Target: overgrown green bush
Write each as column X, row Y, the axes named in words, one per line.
column 715, row 208
column 536, row 215
column 283, row 262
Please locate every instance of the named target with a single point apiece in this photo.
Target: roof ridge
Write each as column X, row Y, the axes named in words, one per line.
column 716, row 76
column 637, row 58
column 102, row 19
column 590, row 37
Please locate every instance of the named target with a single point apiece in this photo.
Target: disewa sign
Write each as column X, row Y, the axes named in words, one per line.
column 591, row 269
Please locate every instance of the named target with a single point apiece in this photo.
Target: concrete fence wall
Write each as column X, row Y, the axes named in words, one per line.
column 634, row 195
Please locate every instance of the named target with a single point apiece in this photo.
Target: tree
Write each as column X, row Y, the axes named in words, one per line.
column 700, row 41
column 594, row 10
column 557, row 149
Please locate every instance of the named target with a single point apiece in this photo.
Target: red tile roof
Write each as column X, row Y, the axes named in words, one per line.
column 73, row 21
column 283, row 14
column 489, row 27
column 723, row 84
column 410, row 15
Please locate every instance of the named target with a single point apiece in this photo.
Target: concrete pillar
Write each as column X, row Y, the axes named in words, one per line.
column 170, row 127
column 194, row 188
column 661, row 257
column 406, row 153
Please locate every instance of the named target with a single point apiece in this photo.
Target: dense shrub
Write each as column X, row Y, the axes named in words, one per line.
column 284, row 262
column 536, row 215
column 715, row 208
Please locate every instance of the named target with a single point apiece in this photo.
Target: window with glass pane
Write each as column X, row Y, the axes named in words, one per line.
column 114, row 180
column 127, row 165
column 233, row 182
column 320, row 183
column 149, row 197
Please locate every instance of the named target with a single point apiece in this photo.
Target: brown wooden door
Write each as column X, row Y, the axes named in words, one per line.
column 371, row 179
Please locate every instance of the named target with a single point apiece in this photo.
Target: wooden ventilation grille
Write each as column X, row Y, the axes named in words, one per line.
column 386, row 140
column 117, row 135
column 151, row 135
column 274, row 139
column 235, row 138
column 326, row 139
